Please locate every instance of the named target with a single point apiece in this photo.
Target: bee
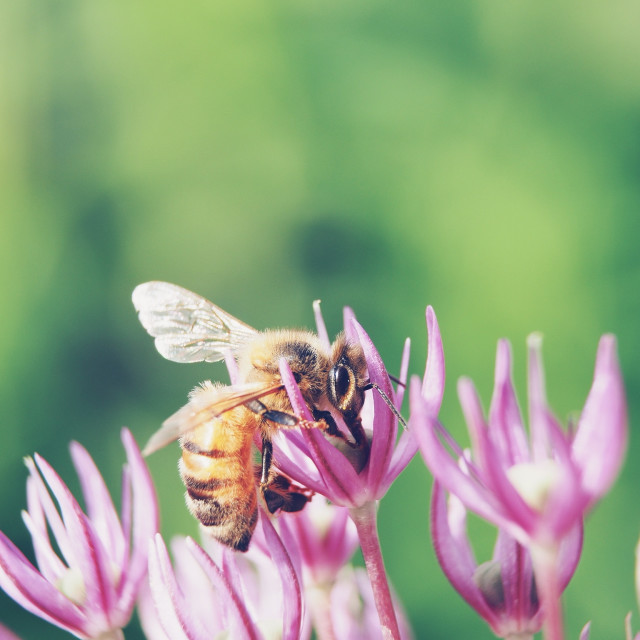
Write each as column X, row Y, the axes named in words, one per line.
column 216, row 428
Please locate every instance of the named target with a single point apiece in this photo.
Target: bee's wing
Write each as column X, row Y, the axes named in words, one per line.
column 187, row 327
column 206, row 403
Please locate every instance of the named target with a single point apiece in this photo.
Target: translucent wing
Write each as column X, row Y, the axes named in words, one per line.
column 187, row 327
column 206, row 403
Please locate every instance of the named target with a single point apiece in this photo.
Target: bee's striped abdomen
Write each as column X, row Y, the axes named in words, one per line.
column 217, row 472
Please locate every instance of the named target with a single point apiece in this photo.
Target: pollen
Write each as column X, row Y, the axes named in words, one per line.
column 535, row 481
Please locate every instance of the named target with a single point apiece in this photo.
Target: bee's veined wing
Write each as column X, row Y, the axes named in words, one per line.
column 186, row 326
column 206, row 403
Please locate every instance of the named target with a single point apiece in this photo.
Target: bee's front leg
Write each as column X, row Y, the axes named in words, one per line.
column 325, row 421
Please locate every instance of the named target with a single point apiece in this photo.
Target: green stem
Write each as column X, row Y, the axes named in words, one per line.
column 365, row 519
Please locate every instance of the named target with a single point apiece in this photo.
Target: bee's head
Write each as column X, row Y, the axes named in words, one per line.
column 347, row 377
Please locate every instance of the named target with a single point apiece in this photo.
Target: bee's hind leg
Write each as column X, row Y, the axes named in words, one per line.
column 277, row 490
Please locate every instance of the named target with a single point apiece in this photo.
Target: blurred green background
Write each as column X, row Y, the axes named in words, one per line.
column 479, row 156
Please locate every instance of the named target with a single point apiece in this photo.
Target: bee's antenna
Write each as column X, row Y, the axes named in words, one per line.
column 385, row 397
column 397, row 380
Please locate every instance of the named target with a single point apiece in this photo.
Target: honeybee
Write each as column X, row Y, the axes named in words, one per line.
column 216, row 427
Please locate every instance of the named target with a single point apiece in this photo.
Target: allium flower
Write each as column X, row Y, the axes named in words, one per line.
column 308, row 457
column 91, row 588
column 255, row 596
column 502, row 591
column 536, row 492
column 359, row 481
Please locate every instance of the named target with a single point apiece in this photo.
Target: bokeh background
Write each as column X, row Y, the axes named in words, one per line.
column 476, row 155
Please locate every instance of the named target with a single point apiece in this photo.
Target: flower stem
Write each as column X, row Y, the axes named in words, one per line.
column 320, row 608
column 545, row 565
column 365, row 519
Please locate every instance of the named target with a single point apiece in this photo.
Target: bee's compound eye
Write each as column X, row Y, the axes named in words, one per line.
column 341, row 381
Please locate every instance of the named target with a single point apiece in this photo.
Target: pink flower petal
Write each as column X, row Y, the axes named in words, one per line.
column 47, row 559
column 442, row 466
column 167, row 596
column 88, row 556
column 291, row 588
column 145, row 520
column 22, row 582
column 537, row 400
column 434, row 375
column 505, row 417
column 7, row 634
column 320, row 325
column 291, row 456
column 403, row 453
column 569, row 554
column 349, row 317
column 40, row 502
column 404, row 370
column 601, row 439
column 385, row 422
column 448, row 528
column 49, row 564
column 584, row 634
column 241, row 625
column 98, row 503
column 492, row 467
column 516, row 572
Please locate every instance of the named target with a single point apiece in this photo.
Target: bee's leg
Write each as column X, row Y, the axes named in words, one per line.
column 329, row 426
column 354, row 424
column 273, row 499
column 267, row 456
column 276, row 489
column 279, row 417
column 289, row 420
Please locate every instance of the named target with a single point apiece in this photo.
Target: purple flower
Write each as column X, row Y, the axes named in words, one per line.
column 249, row 597
column 344, row 476
column 90, row 588
column 357, row 478
column 536, row 491
column 502, row 591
